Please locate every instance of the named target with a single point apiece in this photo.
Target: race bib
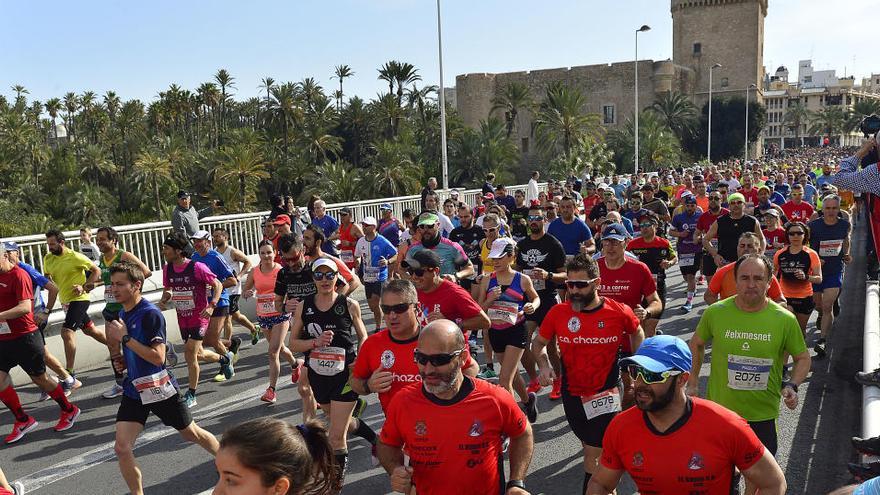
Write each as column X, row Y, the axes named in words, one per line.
column 346, row 256
column 371, row 274
column 109, row 297
column 748, row 373
column 154, row 388
column 504, row 312
column 4, row 328
column 265, row 304
column 327, row 361
column 687, row 259
column 537, row 284
column 606, row 402
column 830, row 247
column 183, row 300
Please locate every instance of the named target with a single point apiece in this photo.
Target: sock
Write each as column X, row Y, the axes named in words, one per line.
column 57, row 394
column 341, row 462
column 69, row 378
column 9, row 397
column 224, row 360
column 690, row 296
column 364, row 431
column 587, row 477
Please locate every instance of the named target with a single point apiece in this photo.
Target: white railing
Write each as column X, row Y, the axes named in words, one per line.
column 871, row 360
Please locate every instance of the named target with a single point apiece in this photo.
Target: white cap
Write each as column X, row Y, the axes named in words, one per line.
column 318, row 263
column 369, row 221
column 502, row 247
column 201, row 234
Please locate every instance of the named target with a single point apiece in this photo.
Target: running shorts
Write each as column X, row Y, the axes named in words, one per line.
column 829, row 281
column 693, row 269
column 197, row 333
column 374, row 288
column 268, row 322
column 588, row 431
column 802, row 305
column 171, row 411
column 515, row 336
column 220, row 312
column 766, row 433
column 332, row 388
column 26, row 351
column 233, row 303
column 708, row 266
column 76, row 315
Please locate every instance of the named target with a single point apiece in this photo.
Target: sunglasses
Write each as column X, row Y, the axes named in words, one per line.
column 435, row 359
column 736, row 202
column 323, row 275
column 490, row 230
column 579, row 284
column 795, row 232
column 288, row 259
column 425, row 227
column 646, row 225
column 536, row 218
column 395, row 308
column 714, row 198
column 649, row 377
column 418, row 272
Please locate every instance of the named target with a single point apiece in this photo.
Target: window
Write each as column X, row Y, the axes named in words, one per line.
column 698, row 49
column 525, row 144
column 808, row 79
column 608, row 114
column 724, row 82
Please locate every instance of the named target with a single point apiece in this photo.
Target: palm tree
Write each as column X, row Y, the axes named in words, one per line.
column 209, row 96
column 152, row 170
column 658, row 144
column 341, row 72
column 242, row 163
column 53, row 106
column 338, row 182
column 388, row 73
column 225, row 81
column 514, row 97
column 796, row 116
column 830, row 121
column 395, row 172
column 286, row 111
column 860, row 110
column 71, row 104
column 563, row 120
column 20, row 90
column 405, row 75
column 95, row 164
column 678, row 112
column 267, row 83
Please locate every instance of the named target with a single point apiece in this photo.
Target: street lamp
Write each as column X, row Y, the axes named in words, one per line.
column 709, row 140
column 748, row 93
column 642, row 29
column 442, row 103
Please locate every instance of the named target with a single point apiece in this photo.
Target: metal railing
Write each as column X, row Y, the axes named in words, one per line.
column 871, row 360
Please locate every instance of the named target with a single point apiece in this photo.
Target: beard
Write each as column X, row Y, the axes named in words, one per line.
column 580, row 301
column 310, row 250
column 430, row 242
column 536, row 228
column 656, row 403
column 447, row 382
column 56, row 252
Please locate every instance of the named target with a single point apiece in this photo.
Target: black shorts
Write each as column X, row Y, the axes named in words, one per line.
column 77, row 315
column 515, row 336
column 334, row 388
column 708, row 266
column 548, row 300
column 766, row 433
column 220, row 312
column 197, row 333
column 802, row 305
column 109, row 315
column 171, row 411
column 374, row 288
column 693, row 269
column 26, row 351
column 588, row 431
column 233, row 303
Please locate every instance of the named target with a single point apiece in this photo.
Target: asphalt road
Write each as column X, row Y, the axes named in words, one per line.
column 813, row 439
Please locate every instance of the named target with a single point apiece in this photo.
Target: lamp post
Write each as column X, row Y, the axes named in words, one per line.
column 748, row 93
column 642, row 29
column 442, row 103
column 709, row 137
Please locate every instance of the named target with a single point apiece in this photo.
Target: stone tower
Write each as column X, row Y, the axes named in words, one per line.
column 729, row 32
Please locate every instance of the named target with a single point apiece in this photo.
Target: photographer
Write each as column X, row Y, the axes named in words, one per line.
column 185, row 218
column 866, row 180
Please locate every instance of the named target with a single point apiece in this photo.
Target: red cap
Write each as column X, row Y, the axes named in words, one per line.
column 282, row 220
column 488, row 196
column 535, row 202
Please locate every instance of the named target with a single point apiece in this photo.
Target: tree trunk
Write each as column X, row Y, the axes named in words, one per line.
column 241, row 184
column 156, row 199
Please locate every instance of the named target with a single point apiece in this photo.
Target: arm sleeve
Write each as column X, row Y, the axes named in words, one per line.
column 204, row 212
column 864, row 180
column 704, row 327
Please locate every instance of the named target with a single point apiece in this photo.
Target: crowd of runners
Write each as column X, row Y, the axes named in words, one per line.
column 562, row 289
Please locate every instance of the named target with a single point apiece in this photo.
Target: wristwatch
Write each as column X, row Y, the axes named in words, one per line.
column 516, row 484
column 790, row 384
column 125, row 339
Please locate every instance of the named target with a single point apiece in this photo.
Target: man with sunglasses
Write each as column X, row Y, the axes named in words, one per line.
column 571, row 231
column 589, row 330
column 452, row 426
column 717, row 200
column 797, row 209
column 663, row 443
column 728, row 228
column 750, row 334
column 468, row 235
column 657, row 253
column 454, row 263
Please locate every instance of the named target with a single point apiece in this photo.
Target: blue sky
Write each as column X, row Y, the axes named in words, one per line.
column 138, row 48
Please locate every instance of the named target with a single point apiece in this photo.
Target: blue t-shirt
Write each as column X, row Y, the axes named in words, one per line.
column 220, row 268
column 827, row 240
column 619, row 189
column 390, row 230
column 374, row 250
column 570, row 235
column 777, row 198
column 633, row 216
column 823, row 179
column 628, row 225
column 145, row 324
column 329, row 225
column 810, row 194
column 38, row 280
column 684, row 222
column 870, row 487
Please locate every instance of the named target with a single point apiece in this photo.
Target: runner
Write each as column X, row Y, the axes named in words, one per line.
column 685, row 227
column 217, row 264
column 716, row 209
column 241, row 267
column 451, row 426
column 491, row 230
column 830, row 237
column 68, row 268
column 542, row 258
column 313, row 239
column 149, row 386
column 373, row 254
column 657, row 253
column 185, row 284
column 273, row 322
column 728, row 228
column 589, row 330
column 796, row 208
column 454, row 263
column 389, row 227
column 663, row 443
column 750, row 334
column 798, row 268
column 468, row 235
column 107, row 240
column 328, row 225
column 349, row 233
column 21, row 345
column 635, row 210
column 507, row 296
column 328, row 328
column 723, row 284
column 774, row 234
column 571, row 231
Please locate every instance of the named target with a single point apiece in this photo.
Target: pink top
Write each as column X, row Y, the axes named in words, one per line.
column 189, row 289
column 264, row 286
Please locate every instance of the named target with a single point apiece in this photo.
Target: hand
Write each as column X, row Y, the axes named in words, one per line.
column 118, row 363
column 380, row 381
column 528, row 308
column 790, row 397
column 493, row 294
column 800, row 275
column 78, row 290
column 641, row 313
column 435, row 315
column 693, row 390
column 847, row 259
column 539, row 274
column 40, row 317
column 664, row 264
column 516, row 491
column 383, row 261
column 866, row 148
column 290, row 305
column 116, row 329
column 163, row 305
column 546, row 376
column 207, row 312
column 583, row 248
column 719, row 261
column 401, row 479
column 325, row 338
column 249, row 293
column 451, row 278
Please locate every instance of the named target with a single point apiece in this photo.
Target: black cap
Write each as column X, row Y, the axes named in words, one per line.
column 423, row 258
column 176, row 240
column 182, row 194
column 648, row 187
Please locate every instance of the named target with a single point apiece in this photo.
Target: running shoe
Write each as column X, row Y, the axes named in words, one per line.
column 189, row 399
column 229, row 369
column 869, row 379
column 67, row 419
column 255, row 337
column 269, row 396
column 359, row 408
column 236, row 344
column 819, row 348
column 476, row 348
column 17, row 487
column 294, row 375
column 70, row 386
column 171, row 357
column 534, row 386
column 657, row 331
column 870, row 446
column 220, row 376
column 487, row 373
column 114, row 391
column 531, row 407
column 687, row 307
column 20, row 428
column 556, row 393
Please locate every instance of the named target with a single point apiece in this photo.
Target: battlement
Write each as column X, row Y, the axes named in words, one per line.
column 684, row 4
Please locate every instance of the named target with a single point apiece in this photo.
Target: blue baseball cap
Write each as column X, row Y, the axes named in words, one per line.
column 10, row 246
column 616, row 232
column 385, row 206
column 662, row 353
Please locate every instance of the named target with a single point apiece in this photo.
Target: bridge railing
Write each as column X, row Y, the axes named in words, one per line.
column 871, row 360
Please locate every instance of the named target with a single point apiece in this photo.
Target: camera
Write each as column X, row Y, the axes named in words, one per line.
column 870, row 125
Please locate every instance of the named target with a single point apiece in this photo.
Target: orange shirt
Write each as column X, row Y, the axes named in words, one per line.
column 788, row 264
column 724, row 284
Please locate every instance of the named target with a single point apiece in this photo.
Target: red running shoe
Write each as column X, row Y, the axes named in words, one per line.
column 294, row 375
column 269, row 396
column 19, row 429
column 67, row 419
column 556, row 393
column 534, row 386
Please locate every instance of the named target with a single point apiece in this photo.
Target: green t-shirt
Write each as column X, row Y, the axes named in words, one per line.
column 67, row 270
column 111, row 305
column 747, row 351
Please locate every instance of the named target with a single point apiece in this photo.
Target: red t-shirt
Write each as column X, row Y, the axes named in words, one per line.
column 588, row 343
column 686, row 460
column 799, row 213
column 629, row 284
column 454, row 302
column 15, row 286
column 751, row 195
column 454, row 446
column 381, row 350
column 590, row 202
column 708, row 218
column 772, row 237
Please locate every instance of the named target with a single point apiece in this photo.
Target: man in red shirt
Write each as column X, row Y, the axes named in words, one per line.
column 708, row 266
column 21, row 345
column 589, row 330
column 451, row 426
column 796, row 209
column 749, row 192
column 591, row 198
column 384, row 364
column 663, row 443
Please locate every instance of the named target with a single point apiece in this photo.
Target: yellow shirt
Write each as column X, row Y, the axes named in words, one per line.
column 67, row 270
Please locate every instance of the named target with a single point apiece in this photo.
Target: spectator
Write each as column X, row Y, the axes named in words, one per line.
column 86, row 246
